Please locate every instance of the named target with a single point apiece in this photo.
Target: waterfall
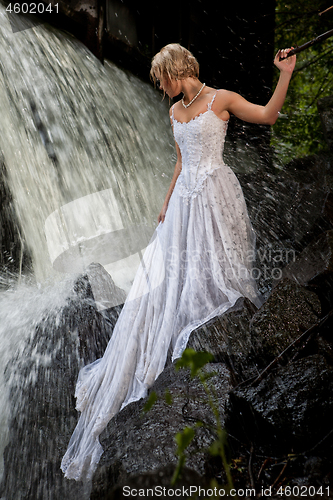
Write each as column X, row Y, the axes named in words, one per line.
column 89, row 155
column 82, row 136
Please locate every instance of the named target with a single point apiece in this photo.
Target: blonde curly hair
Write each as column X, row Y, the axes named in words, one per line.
column 174, row 62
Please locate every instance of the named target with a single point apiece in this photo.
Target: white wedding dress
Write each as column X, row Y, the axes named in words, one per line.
column 196, row 266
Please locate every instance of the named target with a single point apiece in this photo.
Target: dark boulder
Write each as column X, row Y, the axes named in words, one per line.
column 313, row 268
column 158, row 484
column 290, row 407
column 228, row 338
column 137, row 443
column 289, row 311
column 104, row 291
column 41, row 384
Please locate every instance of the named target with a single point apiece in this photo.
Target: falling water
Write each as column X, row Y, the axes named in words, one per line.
column 88, row 155
column 71, row 128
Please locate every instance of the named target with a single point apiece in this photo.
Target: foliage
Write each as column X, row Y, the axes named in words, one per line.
column 150, row 402
column 195, row 361
column 298, row 130
column 183, row 440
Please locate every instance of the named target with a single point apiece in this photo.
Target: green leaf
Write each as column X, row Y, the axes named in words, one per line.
column 194, row 360
column 178, row 470
column 215, row 448
column 150, row 402
column 218, row 446
column 183, row 439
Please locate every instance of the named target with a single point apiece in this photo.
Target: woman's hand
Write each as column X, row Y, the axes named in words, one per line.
column 162, row 213
column 255, row 113
column 288, row 64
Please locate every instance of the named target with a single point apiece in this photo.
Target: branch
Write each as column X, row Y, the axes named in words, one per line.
column 306, row 45
column 326, row 10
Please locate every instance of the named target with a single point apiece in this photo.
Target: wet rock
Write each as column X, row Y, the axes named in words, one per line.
column 315, row 260
column 42, row 383
column 313, row 467
column 311, row 473
column 288, row 211
column 307, row 180
column 314, row 268
column 15, row 257
column 289, row 311
column 105, row 292
column 325, row 109
column 135, row 443
column 228, row 338
column 324, row 346
column 328, row 206
column 289, row 407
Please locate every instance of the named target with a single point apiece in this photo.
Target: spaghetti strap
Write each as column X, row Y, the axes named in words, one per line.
column 209, row 105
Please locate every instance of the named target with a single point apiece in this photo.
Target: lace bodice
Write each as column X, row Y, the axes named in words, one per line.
column 201, row 143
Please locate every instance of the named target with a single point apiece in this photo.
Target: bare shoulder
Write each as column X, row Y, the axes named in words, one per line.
column 223, row 96
column 222, row 102
column 171, row 113
column 175, row 108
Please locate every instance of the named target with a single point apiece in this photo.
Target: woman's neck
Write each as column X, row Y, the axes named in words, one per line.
column 190, row 88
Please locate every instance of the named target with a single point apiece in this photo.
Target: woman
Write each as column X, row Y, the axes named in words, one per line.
column 197, row 264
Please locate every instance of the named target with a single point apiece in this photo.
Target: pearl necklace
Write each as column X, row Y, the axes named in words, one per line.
column 194, row 98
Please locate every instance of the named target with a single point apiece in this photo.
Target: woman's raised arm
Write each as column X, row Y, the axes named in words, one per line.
column 268, row 114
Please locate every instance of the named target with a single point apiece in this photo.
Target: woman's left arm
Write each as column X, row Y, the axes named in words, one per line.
column 268, row 114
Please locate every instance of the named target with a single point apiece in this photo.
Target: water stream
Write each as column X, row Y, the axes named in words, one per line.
column 71, row 128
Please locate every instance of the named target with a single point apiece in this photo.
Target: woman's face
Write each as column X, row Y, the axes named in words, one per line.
column 171, row 87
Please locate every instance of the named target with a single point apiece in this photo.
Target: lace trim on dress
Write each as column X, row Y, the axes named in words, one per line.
column 209, row 108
